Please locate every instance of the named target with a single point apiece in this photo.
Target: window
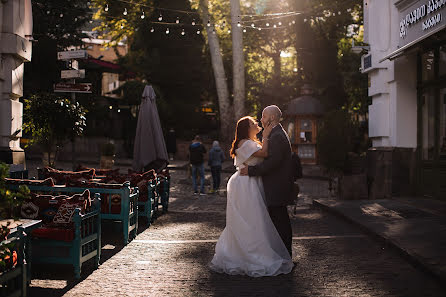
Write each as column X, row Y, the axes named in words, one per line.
column 442, row 140
column 428, row 112
column 427, row 65
column 442, row 60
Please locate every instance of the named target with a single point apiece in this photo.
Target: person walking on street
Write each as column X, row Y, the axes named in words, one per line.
column 196, row 153
column 216, row 158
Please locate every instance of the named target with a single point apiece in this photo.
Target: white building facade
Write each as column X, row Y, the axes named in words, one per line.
column 406, row 67
column 15, row 49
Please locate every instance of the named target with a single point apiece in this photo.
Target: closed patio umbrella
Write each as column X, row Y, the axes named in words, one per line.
column 150, row 149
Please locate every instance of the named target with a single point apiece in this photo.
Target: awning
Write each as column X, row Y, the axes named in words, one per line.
column 397, row 53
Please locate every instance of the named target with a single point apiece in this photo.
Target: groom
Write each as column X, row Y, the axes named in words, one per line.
column 277, row 175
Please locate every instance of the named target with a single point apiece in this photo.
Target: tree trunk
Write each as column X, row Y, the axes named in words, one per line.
column 238, row 61
column 226, row 111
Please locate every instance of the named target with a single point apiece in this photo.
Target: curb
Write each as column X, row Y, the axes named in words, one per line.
column 413, row 259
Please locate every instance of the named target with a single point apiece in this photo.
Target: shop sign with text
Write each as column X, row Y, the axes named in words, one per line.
column 420, row 19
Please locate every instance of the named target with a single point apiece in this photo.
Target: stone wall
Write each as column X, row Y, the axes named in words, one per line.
column 391, row 172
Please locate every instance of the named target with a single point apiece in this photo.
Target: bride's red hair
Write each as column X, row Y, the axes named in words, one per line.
column 242, row 132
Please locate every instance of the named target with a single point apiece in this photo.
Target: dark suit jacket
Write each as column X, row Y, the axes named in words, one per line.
column 276, row 170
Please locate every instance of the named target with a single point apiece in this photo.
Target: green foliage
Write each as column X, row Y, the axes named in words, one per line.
column 10, row 201
column 52, row 121
column 53, row 33
column 335, row 140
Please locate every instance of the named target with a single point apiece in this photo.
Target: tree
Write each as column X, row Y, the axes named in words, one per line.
column 226, row 111
column 57, row 25
column 238, row 60
column 52, row 121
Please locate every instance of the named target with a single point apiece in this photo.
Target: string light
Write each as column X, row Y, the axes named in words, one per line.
column 125, row 11
column 223, row 24
column 152, row 30
column 244, row 30
column 160, row 18
column 122, row 26
column 167, row 31
column 183, row 33
column 61, row 15
column 143, row 15
column 267, row 24
column 193, row 22
column 238, row 24
column 275, row 26
column 213, row 31
column 209, row 23
column 253, row 25
column 260, row 29
column 229, row 31
column 198, row 32
column 178, row 20
column 280, row 23
column 106, row 7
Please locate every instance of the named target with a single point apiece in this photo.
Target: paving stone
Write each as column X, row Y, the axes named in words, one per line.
column 170, row 258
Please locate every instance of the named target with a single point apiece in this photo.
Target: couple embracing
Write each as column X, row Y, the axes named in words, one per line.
column 257, row 240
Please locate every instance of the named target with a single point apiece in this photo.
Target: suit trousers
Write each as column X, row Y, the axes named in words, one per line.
column 281, row 220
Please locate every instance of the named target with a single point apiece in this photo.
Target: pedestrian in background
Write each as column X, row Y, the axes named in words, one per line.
column 216, row 158
column 196, row 154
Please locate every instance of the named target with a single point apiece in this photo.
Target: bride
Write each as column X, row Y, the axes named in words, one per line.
column 250, row 244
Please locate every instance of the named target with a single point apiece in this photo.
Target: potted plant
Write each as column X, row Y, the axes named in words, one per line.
column 10, row 201
column 52, row 121
column 108, row 151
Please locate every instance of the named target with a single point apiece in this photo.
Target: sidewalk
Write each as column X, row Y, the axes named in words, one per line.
column 416, row 227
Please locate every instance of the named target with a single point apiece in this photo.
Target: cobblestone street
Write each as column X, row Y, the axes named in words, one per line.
column 170, row 258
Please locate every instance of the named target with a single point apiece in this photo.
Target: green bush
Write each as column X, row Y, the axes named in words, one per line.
column 51, row 121
column 10, row 201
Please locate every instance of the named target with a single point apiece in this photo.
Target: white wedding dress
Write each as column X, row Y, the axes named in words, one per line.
column 250, row 244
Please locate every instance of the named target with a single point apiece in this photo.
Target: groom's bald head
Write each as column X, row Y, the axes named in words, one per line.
column 272, row 114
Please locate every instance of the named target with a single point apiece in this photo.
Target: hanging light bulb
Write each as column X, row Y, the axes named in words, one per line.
column 267, row 24
column 238, row 24
column 213, row 31
column 122, row 26
column 152, row 30
column 229, row 31
column 305, row 20
column 198, row 32
column 75, row 19
column 178, row 20
column 209, row 23
column 280, row 23
column 90, row 21
column 275, row 26
column 106, row 7
column 167, row 31
column 244, row 30
column 183, row 33
column 125, row 11
column 260, row 29
column 193, row 22
column 253, row 25
column 61, row 15
column 293, row 22
column 47, row 12
column 295, row 69
column 143, row 15
column 223, row 24
column 160, row 18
